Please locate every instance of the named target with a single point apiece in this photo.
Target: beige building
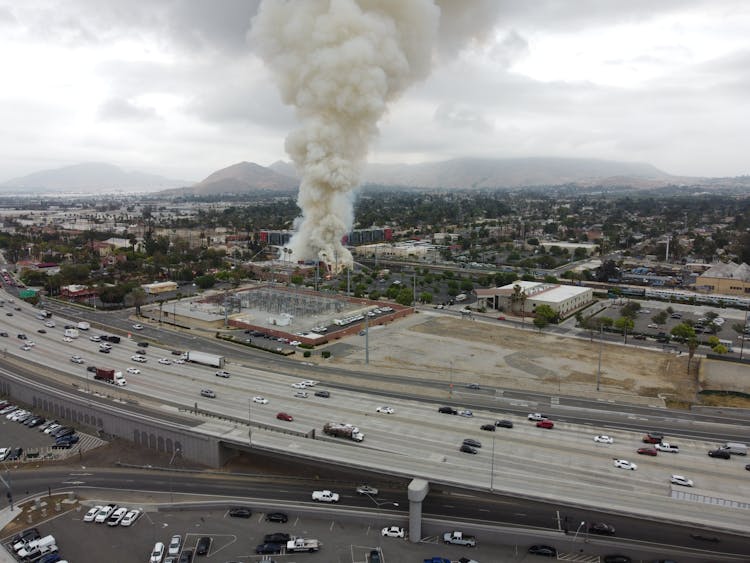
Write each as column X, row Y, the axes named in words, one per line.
column 725, row 279
column 526, row 296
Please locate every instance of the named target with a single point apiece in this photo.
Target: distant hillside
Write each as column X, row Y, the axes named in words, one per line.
column 513, row 173
column 88, row 177
column 244, row 177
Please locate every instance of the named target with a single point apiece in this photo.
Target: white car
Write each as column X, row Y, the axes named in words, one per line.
column 165, row 361
column 466, row 413
column 302, row 394
column 680, row 480
column 137, row 327
column 604, row 439
column 309, row 382
column 385, row 410
column 222, row 373
column 653, row 325
column 174, row 545
column 4, row 453
column 105, row 346
column 536, row 416
column 95, row 338
column 299, row 385
column 91, row 514
column 260, row 400
column 76, row 359
column 295, row 343
column 139, row 358
column 50, row 324
column 133, row 371
column 25, row 347
column 130, row 518
column 180, row 361
column 625, row 464
column 117, row 516
column 393, row 532
column 157, row 554
column 67, row 339
column 105, row 513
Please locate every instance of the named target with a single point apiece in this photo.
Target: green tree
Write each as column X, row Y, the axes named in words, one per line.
column 540, row 322
column 625, row 324
column 660, row 318
column 205, row 282
column 630, row 309
column 683, row 332
column 425, row 297
column 405, row 296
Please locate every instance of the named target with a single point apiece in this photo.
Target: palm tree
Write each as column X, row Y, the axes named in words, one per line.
column 692, row 345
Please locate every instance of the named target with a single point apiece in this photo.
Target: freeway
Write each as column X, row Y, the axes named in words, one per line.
column 448, row 504
column 563, row 463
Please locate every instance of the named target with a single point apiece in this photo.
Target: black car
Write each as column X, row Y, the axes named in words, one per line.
column 375, row 556
column 504, row 423
column 113, row 339
column 35, row 421
column 70, row 439
column 240, row 512
column 3, row 333
column 721, row 454
column 176, row 353
column 202, row 546
column 488, row 427
column 91, row 369
column 277, row 537
column 268, row 548
column 602, row 529
column 26, row 536
column 324, row 394
column 616, row 559
column 41, row 331
column 22, row 336
column 64, row 431
column 467, row 449
column 186, row 556
column 277, row 517
column 472, row 442
column 545, row 550
column 14, row 454
column 142, row 344
column 447, row 410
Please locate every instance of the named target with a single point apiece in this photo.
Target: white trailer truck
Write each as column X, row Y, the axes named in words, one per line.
column 204, row 358
column 302, row 544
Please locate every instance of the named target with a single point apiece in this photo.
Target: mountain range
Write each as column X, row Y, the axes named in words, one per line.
column 461, row 173
column 88, row 177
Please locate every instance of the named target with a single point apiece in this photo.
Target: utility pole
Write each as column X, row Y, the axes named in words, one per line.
column 599, row 368
column 249, row 421
column 367, row 340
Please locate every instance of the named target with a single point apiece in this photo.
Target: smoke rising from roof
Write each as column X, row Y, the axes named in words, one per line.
column 339, row 63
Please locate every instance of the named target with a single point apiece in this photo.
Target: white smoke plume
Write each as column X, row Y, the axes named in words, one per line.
column 339, row 63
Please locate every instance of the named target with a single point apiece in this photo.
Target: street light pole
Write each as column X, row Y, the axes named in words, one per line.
column 573, row 539
column 249, row 421
column 171, row 491
column 599, row 368
column 492, row 464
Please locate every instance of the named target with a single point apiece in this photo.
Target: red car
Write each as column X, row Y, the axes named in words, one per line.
column 284, row 416
column 545, row 424
column 647, row 451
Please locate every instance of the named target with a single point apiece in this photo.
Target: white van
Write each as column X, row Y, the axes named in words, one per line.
column 735, row 448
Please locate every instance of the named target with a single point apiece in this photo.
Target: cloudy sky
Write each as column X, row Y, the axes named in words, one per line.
column 174, row 87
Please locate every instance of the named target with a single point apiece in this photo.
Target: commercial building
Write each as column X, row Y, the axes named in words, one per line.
column 525, row 296
column 159, row 287
column 727, row 279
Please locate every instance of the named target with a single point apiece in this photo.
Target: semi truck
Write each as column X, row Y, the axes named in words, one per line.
column 459, row 538
column 302, row 544
column 110, row 376
column 343, row 431
column 204, row 358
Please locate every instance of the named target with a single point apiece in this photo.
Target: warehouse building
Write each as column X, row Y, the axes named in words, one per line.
column 526, row 296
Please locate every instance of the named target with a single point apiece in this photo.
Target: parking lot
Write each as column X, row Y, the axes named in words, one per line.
column 235, row 539
column 34, row 444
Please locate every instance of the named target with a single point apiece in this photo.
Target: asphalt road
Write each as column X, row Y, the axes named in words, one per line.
column 459, row 506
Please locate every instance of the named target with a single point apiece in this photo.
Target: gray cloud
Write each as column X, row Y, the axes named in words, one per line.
column 120, row 109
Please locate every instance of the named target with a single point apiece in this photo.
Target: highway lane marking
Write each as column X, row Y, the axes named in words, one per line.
column 73, row 482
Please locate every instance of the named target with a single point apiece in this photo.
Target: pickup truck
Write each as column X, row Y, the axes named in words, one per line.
column 667, row 447
column 325, row 496
column 459, row 538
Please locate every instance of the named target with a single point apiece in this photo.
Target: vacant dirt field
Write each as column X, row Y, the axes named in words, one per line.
column 433, row 346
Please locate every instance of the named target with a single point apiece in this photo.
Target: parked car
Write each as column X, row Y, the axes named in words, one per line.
column 130, row 518
column 204, row 543
column 393, row 532
column 267, row 548
column 240, row 512
column 175, row 544
column 544, row 550
column 277, row 517
column 157, row 553
column 91, row 514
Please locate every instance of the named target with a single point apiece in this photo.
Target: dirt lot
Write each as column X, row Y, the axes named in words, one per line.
column 462, row 351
